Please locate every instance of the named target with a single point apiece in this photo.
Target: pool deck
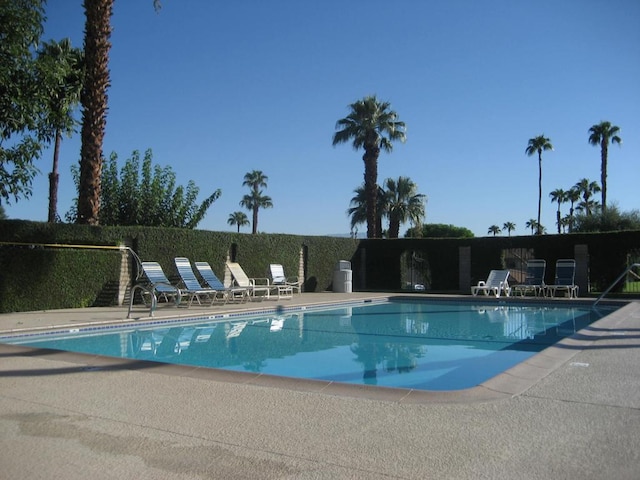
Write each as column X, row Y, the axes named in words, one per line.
column 572, row 411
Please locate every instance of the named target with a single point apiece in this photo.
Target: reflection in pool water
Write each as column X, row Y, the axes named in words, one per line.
column 423, row 345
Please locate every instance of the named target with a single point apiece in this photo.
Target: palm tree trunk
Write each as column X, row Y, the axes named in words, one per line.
column 53, row 181
column 539, row 189
column 94, row 103
column 604, row 147
column 370, row 158
column 255, row 220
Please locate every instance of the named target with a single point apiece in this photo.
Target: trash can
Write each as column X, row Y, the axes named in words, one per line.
column 343, row 277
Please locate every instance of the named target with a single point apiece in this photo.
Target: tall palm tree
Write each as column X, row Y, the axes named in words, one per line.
column 537, row 145
column 238, row 218
column 509, row 227
column 403, row 203
column 94, row 106
column 97, row 32
column 560, row 196
column 61, row 72
column 494, row 229
column 587, row 189
column 255, row 200
column 372, row 125
column 573, row 195
column 601, row 134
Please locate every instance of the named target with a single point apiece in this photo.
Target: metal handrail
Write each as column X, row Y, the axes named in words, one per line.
column 622, row 275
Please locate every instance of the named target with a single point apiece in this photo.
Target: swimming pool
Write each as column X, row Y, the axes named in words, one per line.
column 412, row 344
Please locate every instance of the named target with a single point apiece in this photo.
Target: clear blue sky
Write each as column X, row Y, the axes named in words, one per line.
column 219, row 88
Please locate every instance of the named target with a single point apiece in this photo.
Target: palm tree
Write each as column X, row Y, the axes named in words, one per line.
column 494, row 229
column 94, row 106
column 255, row 200
column 573, row 195
column 97, row 32
column 238, row 218
column 601, row 134
column 560, row 196
column 537, row 145
column 358, row 209
column 533, row 225
column 403, row 204
column 587, row 188
column 371, row 125
column 61, row 71
column 509, row 227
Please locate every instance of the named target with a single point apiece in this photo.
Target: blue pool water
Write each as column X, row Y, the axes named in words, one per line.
column 422, row 345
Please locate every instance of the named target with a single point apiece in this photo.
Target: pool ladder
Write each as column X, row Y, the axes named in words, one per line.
column 622, row 275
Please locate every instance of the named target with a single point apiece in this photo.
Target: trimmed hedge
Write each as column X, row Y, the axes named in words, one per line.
column 82, row 277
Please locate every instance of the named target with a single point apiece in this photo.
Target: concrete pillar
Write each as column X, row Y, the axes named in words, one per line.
column 227, row 274
column 301, row 269
column 581, row 255
column 124, row 282
column 464, row 269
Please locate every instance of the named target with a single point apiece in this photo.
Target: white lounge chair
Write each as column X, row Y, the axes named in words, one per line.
column 253, row 285
column 278, row 278
column 495, row 284
column 564, row 279
column 231, row 293
column 534, row 279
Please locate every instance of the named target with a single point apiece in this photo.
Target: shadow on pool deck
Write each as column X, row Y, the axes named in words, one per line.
column 571, row 411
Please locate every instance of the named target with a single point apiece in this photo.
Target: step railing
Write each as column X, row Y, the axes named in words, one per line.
column 615, row 282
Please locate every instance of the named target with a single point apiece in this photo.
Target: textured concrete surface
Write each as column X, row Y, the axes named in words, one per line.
column 571, row 411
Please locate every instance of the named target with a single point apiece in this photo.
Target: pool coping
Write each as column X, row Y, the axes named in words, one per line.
column 514, row 381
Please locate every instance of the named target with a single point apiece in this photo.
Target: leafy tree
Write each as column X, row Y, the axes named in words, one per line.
column 238, row 218
column 143, row 194
column 439, row 230
column 403, row 203
column 3, row 214
column 20, row 96
column 61, row 71
column 494, row 229
column 611, row 220
column 538, row 145
column 560, row 196
column 371, row 125
column 601, row 134
column 533, row 225
column 509, row 227
column 587, row 189
column 255, row 200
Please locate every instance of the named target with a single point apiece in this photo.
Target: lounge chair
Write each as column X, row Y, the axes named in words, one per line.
column 231, row 293
column 280, row 279
column 564, row 279
column 156, row 287
column 534, row 279
column 254, row 285
column 495, row 284
column 192, row 287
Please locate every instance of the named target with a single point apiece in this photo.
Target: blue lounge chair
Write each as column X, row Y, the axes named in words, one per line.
column 192, row 287
column 564, row 279
column 229, row 294
column 534, row 279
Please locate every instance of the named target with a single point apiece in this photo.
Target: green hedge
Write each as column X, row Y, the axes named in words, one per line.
column 80, row 277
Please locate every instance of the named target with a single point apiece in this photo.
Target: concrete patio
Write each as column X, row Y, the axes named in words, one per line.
column 571, row 411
